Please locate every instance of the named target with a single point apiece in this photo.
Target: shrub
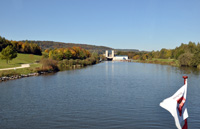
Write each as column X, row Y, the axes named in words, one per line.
column 71, row 62
column 62, row 65
column 49, row 63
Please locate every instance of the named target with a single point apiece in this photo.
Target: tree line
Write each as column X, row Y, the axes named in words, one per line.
column 20, row 47
column 4, row 43
column 186, row 54
column 9, row 49
column 53, row 45
column 52, row 59
column 28, row 48
column 67, row 53
column 65, row 58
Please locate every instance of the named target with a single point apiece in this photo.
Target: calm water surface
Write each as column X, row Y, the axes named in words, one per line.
column 110, row 95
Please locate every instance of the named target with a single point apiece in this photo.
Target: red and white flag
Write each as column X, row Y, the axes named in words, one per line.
column 176, row 105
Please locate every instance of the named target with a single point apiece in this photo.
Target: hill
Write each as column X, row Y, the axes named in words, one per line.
column 127, row 50
column 51, row 45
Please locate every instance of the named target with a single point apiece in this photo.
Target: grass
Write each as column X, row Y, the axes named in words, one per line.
column 17, row 72
column 21, row 59
column 163, row 60
column 172, row 62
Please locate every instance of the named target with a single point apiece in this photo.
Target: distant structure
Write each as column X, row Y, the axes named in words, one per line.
column 110, row 55
column 120, row 58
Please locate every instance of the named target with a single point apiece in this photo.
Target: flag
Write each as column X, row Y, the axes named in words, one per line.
column 177, row 106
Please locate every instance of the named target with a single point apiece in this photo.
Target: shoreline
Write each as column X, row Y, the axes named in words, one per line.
column 170, row 62
column 39, row 73
column 14, row 77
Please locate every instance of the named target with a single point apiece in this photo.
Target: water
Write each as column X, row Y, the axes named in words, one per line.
column 110, row 95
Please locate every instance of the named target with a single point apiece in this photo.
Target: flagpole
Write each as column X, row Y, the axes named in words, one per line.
column 185, row 77
column 175, row 103
column 185, row 125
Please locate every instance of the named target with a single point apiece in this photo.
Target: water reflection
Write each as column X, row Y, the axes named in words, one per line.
column 189, row 70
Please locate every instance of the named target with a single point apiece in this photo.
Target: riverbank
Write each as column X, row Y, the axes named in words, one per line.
column 27, row 72
column 13, row 77
column 19, row 60
column 34, row 70
column 171, row 62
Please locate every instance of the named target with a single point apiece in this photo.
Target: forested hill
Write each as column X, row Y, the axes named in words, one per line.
column 128, row 50
column 51, row 45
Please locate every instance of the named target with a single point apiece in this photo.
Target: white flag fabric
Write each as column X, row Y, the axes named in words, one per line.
column 176, row 105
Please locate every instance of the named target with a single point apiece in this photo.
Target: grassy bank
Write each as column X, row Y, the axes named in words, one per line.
column 171, row 62
column 21, row 59
column 31, row 69
column 46, row 65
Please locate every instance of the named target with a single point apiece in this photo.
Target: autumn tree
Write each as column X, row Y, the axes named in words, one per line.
column 136, row 57
column 144, row 57
column 29, row 48
column 165, row 53
column 67, row 53
column 155, row 54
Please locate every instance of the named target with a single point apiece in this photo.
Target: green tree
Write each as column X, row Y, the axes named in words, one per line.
column 185, row 59
column 68, row 54
column 3, row 43
column 165, row 53
column 8, row 53
column 196, row 59
column 144, row 57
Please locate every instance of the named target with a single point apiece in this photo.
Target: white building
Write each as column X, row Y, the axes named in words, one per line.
column 110, row 55
column 120, row 58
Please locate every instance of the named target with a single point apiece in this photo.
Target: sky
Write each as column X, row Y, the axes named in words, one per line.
column 120, row 24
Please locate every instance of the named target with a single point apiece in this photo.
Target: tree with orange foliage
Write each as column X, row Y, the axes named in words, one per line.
column 136, row 57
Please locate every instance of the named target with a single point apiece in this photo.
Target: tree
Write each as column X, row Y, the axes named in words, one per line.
column 67, row 54
column 3, row 43
column 144, row 57
column 196, row 59
column 8, row 53
column 185, row 59
column 26, row 47
column 136, row 57
column 165, row 53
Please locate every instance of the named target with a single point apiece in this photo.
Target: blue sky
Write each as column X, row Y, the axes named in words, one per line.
column 126, row 24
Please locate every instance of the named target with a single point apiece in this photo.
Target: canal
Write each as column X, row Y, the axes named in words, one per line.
column 109, row 95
